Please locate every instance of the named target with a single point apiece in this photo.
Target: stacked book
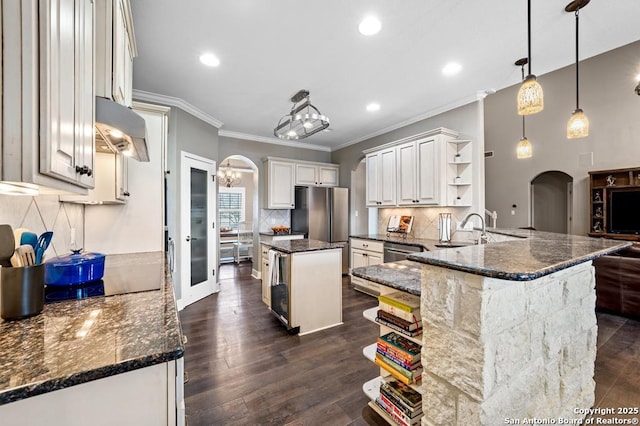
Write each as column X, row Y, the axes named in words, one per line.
column 400, row 357
column 400, row 311
column 400, row 402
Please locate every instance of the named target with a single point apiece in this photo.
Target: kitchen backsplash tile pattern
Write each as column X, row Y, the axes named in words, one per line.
column 45, row 213
column 425, row 223
column 270, row 217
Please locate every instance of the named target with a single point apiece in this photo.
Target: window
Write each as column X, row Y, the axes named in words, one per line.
column 231, row 206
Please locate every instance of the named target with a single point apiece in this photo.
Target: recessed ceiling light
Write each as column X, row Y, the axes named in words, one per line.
column 210, row 59
column 452, row 68
column 373, row 107
column 369, row 26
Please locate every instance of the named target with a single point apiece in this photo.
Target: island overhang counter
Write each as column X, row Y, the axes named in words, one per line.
column 509, row 327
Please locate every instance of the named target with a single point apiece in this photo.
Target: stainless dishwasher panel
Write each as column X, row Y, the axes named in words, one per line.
column 394, row 252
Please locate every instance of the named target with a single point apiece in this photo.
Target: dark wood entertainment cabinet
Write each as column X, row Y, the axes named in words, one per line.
column 601, row 183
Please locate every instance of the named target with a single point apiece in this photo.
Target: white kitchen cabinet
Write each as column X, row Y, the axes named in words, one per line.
column 365, row 253
column 317, row 174
column 418, row 172
column 280, row 184
column 264, row 275
column 111, row 184
column 459, row 172
column 48, row 109
column 381, row 178
column 115, row 50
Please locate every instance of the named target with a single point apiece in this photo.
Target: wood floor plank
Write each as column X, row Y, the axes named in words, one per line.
column 245, row 369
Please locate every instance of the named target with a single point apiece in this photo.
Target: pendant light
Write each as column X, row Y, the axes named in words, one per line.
column 302, row 121
column 530, row 96
column 524, row 149
column 578, row 125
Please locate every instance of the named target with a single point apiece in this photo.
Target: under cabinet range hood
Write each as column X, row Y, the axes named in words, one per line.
column 120, row 129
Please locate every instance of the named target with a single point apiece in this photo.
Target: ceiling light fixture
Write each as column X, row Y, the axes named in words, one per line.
column 523, row 149
column 227, row 176
column 530, row 96
column 578, row 125
column 372, row 107
column 302, row 121
column 452, row 68
column 209, row 59
column 369, row 26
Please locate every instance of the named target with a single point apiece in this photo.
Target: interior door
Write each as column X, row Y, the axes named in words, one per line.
column 198, row 257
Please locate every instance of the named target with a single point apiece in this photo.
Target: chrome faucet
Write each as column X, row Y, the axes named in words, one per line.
column 483, row 231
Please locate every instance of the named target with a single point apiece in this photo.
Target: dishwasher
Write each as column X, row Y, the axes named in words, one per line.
column 394, row 252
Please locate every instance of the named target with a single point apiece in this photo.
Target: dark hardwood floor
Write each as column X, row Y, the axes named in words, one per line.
column 244, row 369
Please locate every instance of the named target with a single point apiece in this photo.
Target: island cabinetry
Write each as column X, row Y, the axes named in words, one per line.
column 48, row 94
column 365, row 253
column 396, row 393
column 308, row 174
column 264, row 275
column 115, row 50
column 612, row 194
column 381, row 178
column 280, row 184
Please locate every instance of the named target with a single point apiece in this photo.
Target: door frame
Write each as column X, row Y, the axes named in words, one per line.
column 190, row 294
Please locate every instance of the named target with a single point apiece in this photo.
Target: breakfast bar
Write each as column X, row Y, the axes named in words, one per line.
column 509, row 327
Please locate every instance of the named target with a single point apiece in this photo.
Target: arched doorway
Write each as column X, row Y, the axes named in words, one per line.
column 552, row 202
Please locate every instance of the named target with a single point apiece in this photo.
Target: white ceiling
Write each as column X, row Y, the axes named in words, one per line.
column 269, row 49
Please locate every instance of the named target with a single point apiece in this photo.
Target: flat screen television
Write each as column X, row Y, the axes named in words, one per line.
column 624, row 211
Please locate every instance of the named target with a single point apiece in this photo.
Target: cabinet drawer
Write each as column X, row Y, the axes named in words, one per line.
column 365, row 286
column 370, row 245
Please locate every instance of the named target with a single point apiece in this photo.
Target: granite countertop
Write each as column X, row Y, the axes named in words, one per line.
column 531, row 255
column 46, row 352
column 403, row 275
column 411, row 241
column 298, row 246
column 273, row 234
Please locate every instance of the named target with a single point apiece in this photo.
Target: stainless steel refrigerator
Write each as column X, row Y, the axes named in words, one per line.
column 323, row 214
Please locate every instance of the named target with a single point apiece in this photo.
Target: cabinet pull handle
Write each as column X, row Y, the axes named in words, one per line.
column 84, row 170
column 126, row 193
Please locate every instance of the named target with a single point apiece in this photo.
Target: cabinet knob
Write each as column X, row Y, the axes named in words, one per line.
column 84, row 170
column 126, row 193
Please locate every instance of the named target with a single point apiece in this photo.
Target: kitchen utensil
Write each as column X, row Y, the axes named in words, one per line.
column 15, row 261
column 75, row 268
column 21, row 291
column 7, row 244
column 26, row 254
column 43, row 243
column 29, row 238
column 17, row 235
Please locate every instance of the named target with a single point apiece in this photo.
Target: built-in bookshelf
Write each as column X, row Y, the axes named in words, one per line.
column 372, row 388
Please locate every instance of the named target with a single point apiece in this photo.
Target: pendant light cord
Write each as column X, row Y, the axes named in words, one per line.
column 529, row 34
column 522, row 72
column 577, row 71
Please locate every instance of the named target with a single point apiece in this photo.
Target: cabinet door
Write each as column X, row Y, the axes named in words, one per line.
column 387, row 177
column 280, row 191
column 266, row 290
column 427, row 172
column 328, row 176
column 372, row 171
column 359, row 258
column 374, row 258
column 407, row 174
column 122, row 55
column 306, row 174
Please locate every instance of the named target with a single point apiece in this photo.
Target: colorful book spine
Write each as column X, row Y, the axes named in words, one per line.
column 405, row 376
column 402, row 343
column 401, row 300
column 410, row 396
column 407, row 316
column 397, row 415
column 399, row 361
column 387, row 408
column 414, row 333
column 407, row 325
column 411, row 413
column 397, row 353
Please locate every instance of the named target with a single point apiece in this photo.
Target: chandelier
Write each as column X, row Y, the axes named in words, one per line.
column 227, row 176
column 302, row 121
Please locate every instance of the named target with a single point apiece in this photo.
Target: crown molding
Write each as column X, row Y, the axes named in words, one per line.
column 456, row 104
column 274, row 141
column 179, row 103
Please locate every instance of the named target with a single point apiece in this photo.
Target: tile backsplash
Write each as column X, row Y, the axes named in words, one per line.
column 425, row 222
column 270, row 217
column 45, row 213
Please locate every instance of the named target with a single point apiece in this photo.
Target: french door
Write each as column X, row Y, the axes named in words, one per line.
column 198, row 257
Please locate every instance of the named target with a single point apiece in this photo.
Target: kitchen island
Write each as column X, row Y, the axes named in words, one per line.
column 509, row 327
column 305, row 284
column 114, row 359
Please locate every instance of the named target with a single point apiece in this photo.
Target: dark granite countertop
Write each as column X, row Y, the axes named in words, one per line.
column 418, row 242
column 532, row 255
column 45, row 352
column 403, row 275
column 298, row 246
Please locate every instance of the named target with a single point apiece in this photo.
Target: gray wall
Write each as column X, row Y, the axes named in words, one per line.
column 607, row 97
column 550, row 193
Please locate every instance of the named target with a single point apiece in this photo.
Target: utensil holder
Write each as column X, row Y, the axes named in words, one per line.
column 444, row 227
column 21, row 291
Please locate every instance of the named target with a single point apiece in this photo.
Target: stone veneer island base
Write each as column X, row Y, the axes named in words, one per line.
column 496, row 349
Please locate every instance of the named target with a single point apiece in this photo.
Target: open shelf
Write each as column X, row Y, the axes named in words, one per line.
column 369, row 352
column 372, row 388
column 371, row 314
